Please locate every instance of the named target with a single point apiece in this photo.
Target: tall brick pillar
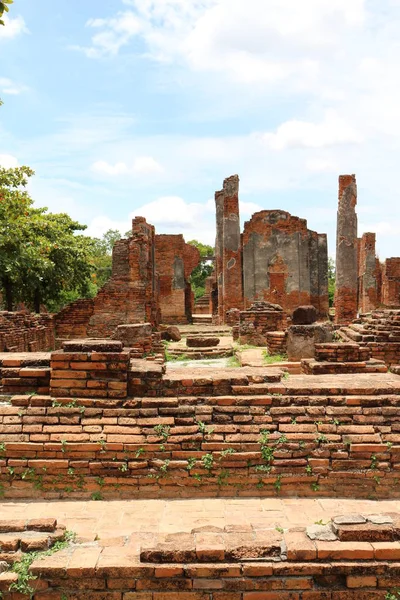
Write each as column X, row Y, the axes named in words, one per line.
column 219, row 213
column 346, row 252
column 232, row 250
column 367, row 273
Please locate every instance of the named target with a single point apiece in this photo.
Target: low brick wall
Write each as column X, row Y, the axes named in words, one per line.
column 25, row 373
column 341, row 352
column 386, row 351
column 243, row 445
column 26, row 332
column 92, row 574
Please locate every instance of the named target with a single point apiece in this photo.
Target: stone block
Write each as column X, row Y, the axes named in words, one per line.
column 304, row 315
column 301, row 339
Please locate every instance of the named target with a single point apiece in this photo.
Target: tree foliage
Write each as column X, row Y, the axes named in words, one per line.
column 102, row 256
column 4, row 8
column 203, row 270
column 41, row 255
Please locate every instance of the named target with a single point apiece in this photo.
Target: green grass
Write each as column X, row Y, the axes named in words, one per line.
column 271, row 359
column 233, row 361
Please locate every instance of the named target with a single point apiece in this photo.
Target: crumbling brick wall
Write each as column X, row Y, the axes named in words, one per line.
column 130, row 296
column 284, row 262
column 26, row 332
column 368, row 273
column 175, row 262
column 391, row 282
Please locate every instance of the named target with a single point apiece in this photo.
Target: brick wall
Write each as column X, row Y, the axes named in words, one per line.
column 26, row 332
column 313, row 571
column 391, row 282
column 368, row 274
column 284, row 262
column 130, row 296
column 175, row 262
column 317, row 444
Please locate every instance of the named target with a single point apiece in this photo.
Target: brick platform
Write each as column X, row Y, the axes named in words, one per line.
column 233, row 550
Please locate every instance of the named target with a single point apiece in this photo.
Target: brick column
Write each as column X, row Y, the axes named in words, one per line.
column 232, row 251
column 346, row 252
column 219, row 213
column 367, row 273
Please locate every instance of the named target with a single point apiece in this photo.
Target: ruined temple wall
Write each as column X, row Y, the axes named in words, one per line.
column 130, row 296
column 346, row 294
column 175, row 262
column 367, row 273
column 391, row 282
column 284, row 262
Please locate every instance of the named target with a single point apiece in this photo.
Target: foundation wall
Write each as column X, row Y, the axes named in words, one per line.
column 269, row 445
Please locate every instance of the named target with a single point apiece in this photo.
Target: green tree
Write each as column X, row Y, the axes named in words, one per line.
column 102, row 258
column 203, row 270
column 41, row 256
column 4, row 8
column 331, row 280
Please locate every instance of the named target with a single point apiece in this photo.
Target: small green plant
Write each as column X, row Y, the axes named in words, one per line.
column 191, row 463
column 139, row 452
column 96, row 496
column 223, row 476
column 377, row 480
column 21, row 568
column 294, row 421
column 279, row 529
column 309, row 470
column 336, row 422
column 102, row 444
column 278, row 483
column 389, row 445
column 393, row 594
column 162, row 431
column 374, row 462
column 302, row 444
column 2, row 447
column 286, row 375
column 321, row 439
column 124, row 467
column 64, row 446
column 233, row 362
column 203, row 428
column 64, row 597
column 164, row 466
column 321, row 522
column 260, row 484
column 315, row 486
column 282, row 440
column 208, row 462
column 227, row 452
column 100, row 481
column 263, row 468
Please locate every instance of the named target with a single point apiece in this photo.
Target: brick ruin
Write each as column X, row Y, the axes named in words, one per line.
column 175, row 262
column 94, row 421
column 363, row 283
column 276, row 258
column 149, row 284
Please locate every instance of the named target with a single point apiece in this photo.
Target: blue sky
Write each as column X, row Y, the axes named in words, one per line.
column 143, row 107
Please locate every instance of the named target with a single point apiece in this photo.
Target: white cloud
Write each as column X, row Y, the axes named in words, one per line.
column 333, row 130
column 7, row 161
column 321, row 165
column 7, row 86
column 142, row 165
column 12, row 28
